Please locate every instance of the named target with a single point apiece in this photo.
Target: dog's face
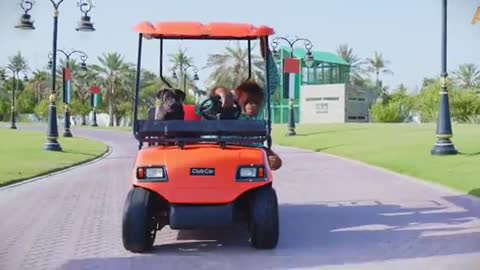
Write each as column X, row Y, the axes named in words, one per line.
column 171, row 104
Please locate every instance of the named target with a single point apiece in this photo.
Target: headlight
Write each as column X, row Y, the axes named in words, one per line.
column 251, row 173
column 248, row 172
column 154, row 173
column 151, row 174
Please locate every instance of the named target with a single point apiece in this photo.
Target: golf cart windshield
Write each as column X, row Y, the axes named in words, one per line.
column 216, row 131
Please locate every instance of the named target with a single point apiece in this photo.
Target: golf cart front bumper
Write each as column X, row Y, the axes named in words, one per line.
column 185, row 217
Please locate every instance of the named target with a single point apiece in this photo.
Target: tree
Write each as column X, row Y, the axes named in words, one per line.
column 429, row 81
column 39, row 84
column 467, row 76
column 426, row 103
column 82, row 82
column 180, row 60
column 394, row 108
column 378, row 65
column 231, row 67
column 17, row 63
column 465, row 105
column 357, row 70
column 113, row 72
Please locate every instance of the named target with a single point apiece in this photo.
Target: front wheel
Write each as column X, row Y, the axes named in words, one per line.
column 264, row 228
column 138, row 227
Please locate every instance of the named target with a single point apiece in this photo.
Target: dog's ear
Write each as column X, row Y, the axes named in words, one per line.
column 180, row 94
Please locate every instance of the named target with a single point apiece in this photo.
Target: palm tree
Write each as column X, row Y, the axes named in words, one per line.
column 82, row 81
column 113, row 72
column 377, row 64
column 356, row 63
column 180, row 60
column 17, row 63
column 467, row 76
column 231, row 67
column 39, row 84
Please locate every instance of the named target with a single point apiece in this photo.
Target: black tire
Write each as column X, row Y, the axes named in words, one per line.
column 138, row 227
column 263, row 223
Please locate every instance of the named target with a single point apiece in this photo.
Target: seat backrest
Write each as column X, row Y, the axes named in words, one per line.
column 151, row 113
column 190, row 114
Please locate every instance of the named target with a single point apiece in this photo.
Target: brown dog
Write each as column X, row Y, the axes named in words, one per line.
column 170, row 105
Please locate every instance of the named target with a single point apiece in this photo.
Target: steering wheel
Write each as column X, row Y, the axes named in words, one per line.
column 211, row 109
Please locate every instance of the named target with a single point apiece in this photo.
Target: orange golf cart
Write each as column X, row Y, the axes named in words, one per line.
column 200, row 174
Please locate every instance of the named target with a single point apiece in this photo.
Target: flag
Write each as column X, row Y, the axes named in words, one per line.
column 95, row 100
column 95, row 96
column 67, row 86
column 291, row 67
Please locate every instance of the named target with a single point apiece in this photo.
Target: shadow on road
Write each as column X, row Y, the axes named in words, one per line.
column 327, row 233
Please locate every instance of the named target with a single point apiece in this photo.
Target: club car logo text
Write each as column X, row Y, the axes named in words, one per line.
column 202, row 171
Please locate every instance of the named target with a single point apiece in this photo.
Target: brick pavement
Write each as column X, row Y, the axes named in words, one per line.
column 334, row 214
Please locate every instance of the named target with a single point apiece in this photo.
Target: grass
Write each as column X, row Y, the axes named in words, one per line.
column 22, row 155
column 403, row 148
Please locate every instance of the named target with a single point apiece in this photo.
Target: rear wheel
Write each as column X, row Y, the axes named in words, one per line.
column 263, row 223
column 139, row 226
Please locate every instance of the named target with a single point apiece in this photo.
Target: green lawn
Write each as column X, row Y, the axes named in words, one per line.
column 22, row 155
column 404, row 148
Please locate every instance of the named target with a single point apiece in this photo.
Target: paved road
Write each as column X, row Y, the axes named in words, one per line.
column 335, row 214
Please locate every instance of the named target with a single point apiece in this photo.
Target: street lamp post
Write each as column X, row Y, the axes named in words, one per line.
column 308, row 61
column 444, row 145
column 184, row 70
column 84, row 25
column 66, row 92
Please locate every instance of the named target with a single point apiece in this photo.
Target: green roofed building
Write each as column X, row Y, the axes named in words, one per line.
column 322, row 92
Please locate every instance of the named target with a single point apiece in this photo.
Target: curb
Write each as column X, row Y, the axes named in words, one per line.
column 421, row 181
column 54, row 172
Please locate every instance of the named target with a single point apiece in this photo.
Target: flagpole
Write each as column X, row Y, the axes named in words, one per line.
column 66, row 99
column 291, row 76
column 67, row 83
column 94, row 102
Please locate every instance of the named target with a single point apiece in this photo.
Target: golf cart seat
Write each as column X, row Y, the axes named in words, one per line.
column 151, row 113
column 190, row 114
column 186, row 129
column 189, row 110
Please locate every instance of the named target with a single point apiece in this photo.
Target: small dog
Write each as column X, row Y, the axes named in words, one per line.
column 169, row 106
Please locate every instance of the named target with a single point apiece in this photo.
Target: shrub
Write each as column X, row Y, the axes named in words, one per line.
column 391, row 112
column 394, row 108
column 427, row 103
column 464, row 105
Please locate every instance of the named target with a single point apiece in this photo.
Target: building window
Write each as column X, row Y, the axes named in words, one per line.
column 356, row 99
column 353, row 117
column 321, row 108
column 313, row 99
column 322, row 98
column 331, row 98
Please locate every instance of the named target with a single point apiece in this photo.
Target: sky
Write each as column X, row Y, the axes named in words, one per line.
column 406, row 32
